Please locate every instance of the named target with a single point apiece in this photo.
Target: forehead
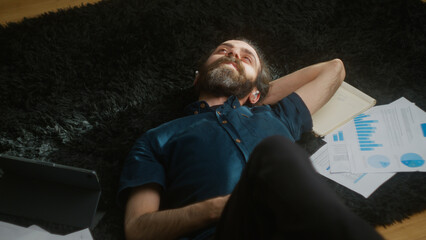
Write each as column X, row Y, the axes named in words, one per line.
column 244, row 47
column 241, row 45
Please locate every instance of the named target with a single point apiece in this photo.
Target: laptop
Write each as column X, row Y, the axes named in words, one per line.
column 47, row 191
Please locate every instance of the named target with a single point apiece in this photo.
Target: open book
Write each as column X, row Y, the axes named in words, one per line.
column 345, row 104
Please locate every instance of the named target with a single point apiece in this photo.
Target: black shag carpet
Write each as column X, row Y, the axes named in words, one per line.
column 77, row 87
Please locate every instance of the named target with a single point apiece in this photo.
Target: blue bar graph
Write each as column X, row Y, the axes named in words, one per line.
column 364, row 135
column 361, row 116
column 338, row 137
column 369, row 121
column 363, row 125
column 370, row 145
column 365, row 129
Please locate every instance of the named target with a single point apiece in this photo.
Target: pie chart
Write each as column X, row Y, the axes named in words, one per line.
column 412, row 160
column 378, row 161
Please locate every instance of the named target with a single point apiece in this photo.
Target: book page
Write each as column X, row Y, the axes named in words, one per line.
column 346, row 103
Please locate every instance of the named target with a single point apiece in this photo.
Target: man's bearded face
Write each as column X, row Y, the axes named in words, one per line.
column 224, row 77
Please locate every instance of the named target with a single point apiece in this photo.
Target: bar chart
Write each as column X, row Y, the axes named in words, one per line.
column 338, row 137
column 365, row 129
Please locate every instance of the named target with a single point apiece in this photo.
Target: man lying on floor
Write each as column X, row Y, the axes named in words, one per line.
column 230, row 169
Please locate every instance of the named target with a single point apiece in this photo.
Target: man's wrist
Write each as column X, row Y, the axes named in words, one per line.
column 208, row 211
column 215, row 207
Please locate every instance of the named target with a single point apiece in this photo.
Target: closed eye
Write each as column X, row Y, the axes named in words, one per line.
column 247, row 59
column 222, row 50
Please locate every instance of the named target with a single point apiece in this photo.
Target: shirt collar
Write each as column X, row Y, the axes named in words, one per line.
column 202, row 106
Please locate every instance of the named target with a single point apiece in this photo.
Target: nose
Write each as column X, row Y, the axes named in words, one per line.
column 234, row 52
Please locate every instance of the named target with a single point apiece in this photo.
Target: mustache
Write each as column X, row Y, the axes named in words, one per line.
column 226, row 59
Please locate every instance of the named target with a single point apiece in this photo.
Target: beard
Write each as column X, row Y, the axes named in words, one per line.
column 221, row 80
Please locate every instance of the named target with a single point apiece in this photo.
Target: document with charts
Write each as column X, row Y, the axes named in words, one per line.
column 387, row 138
column 362, row 183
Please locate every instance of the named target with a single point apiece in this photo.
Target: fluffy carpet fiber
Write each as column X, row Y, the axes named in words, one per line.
column 77, row 87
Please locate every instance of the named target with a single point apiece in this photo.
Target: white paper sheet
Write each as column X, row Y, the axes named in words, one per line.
column 364, row 184
column 13, row 232
column 387, row 138
column 80, row 235
column 35, row 227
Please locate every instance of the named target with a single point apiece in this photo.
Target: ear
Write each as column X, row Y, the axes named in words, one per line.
column 254, row 96
column 196, row 78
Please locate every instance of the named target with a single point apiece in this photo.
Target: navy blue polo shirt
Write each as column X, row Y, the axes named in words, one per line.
column 201, row 156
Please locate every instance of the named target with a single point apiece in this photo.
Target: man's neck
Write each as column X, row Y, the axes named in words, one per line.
column 214, row 101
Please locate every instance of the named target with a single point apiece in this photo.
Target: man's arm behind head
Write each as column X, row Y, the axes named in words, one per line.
column 315, row 84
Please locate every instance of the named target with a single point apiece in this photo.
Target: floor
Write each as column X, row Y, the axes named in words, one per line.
column 15, row 10
column 413, row 228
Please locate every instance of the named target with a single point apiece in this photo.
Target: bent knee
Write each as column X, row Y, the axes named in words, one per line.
column 278, row 150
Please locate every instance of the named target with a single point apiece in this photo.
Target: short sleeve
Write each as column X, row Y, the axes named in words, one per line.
column 141, row 167
column 294, row 113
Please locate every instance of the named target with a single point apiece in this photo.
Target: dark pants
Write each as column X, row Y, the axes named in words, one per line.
column 280, row 196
